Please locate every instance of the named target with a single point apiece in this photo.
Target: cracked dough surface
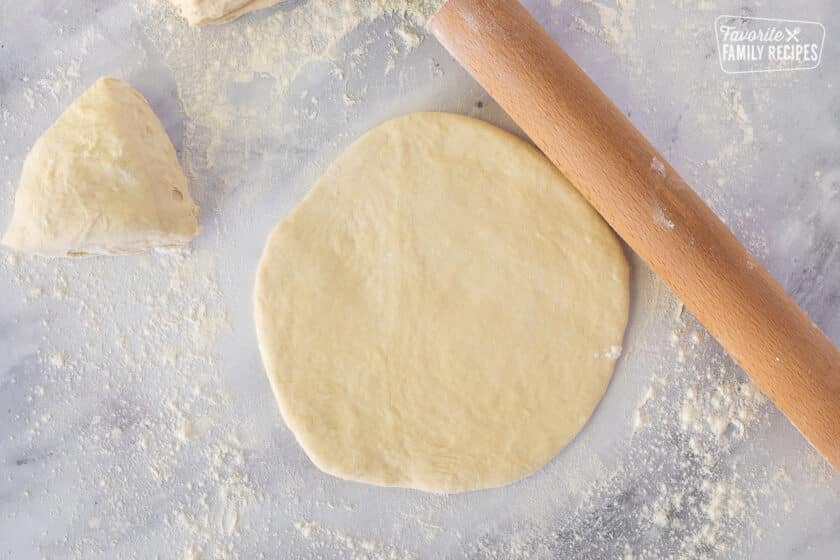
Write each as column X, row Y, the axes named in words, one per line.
column 442, row 311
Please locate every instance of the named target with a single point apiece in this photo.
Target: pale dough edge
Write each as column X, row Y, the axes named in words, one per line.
column 288, row 416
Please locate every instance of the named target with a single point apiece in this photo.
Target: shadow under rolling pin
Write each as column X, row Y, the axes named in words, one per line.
column 651, row 207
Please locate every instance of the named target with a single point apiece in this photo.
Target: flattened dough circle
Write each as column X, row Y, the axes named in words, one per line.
column 442, row 311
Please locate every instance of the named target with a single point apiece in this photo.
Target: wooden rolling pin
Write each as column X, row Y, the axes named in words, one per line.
column 656, row 212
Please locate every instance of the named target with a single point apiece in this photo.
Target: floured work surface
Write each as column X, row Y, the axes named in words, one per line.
column 140, row 421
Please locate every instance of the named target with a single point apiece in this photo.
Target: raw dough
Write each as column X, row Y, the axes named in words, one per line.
column 202, row 12
column 104, row 179
column 443, row 311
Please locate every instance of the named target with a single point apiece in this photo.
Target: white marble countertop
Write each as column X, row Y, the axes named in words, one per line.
column 138, row 422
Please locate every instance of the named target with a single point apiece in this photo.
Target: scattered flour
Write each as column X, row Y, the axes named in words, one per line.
column 141, row 403
column 135, row 371
column 617, row 20
column 328, row 542
column 612, row 353
column 163, row 355
column 276, row 46
column 658, row 166
column 662, row 220
column 690, row 497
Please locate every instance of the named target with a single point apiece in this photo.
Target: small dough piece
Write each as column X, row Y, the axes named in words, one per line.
column 443, row 311
column 203, row 12
column 102, row 180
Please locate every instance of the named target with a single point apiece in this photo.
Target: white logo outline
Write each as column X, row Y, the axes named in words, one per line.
column 778, row 20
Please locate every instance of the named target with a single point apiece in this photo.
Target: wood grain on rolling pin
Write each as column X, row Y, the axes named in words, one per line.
column 652, row 208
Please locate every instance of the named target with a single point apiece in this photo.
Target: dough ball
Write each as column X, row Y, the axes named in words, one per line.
column 443, row 311
column 203, row 12
column 103, row 179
